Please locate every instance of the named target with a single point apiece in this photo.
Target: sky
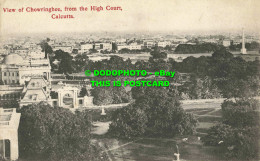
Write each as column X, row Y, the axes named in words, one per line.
column 136, row 16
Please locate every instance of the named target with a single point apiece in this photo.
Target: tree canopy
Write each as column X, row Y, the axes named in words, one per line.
column 158, row 113
column 55, row 133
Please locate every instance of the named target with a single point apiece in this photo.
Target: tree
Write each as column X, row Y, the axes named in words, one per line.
column 156, row 54
column 102, row 96
column 65, row 58
column 198, row 48
column 164, row 116
column 238, row 135
column 46, row 48
column 55, row 133
column 54, row 95
column 110, row 95
column 83, row 92
column 81, row 62
column 241, row 113
column 65, row 65
column 128, row 122
column 239, row 143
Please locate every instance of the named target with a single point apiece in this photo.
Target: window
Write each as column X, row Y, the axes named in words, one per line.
column 9, row 73
column 17, row 74
column 5, row 81
column 80, row 102
column 34, row 97
column 13, row 74
column 13, row 81
column 4, row 73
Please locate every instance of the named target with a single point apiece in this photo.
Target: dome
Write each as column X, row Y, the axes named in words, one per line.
column 13, row 59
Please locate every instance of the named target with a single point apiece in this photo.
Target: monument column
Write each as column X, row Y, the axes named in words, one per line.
column 243, row 49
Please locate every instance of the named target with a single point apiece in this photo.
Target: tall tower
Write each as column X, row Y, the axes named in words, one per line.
column 243, row 49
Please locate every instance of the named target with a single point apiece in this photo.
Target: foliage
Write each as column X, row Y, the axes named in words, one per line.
column 46, row 48
column 54, row 95
column 65, row 58
column 239, row 143
column 238, row 135
column 81, row 62
column 83, row 92
column 102, row 96
column 198, row 48
column 110, row 95
column 128, row 122
column 200, row 88
column 55, row 133
column 241, row 113
column 216, row 134
column 157, row 54
column 164, row 115
column 249, row 46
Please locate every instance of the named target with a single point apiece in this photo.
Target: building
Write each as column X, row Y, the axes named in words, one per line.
column 106, row 46
column 86, row 47
column 37, row 90
column 97, row 46
column 16, row 70
column 226, row 43
column 36, row 54
column 149, row 44
column 68, row 97
column 63, row 48
column 163, row 43
column 133, row 46
column 9, row 123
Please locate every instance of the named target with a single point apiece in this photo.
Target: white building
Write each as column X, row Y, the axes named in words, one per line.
column 63, row 48
column 37, row 90
column 226, row 43
column 97, row 46
column 133, row 46
column 9, row 123
column 16, row 70
column 149, row 44
column 86, row 47
column 163, row 43
column 36, row 54
column 106, row 46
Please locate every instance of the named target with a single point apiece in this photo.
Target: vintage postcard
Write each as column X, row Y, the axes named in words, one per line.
column 129, row 80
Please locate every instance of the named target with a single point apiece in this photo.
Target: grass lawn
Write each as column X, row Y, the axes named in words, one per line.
column 160, row 149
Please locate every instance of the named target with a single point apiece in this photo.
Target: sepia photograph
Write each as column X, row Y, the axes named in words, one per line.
column 129, row 80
